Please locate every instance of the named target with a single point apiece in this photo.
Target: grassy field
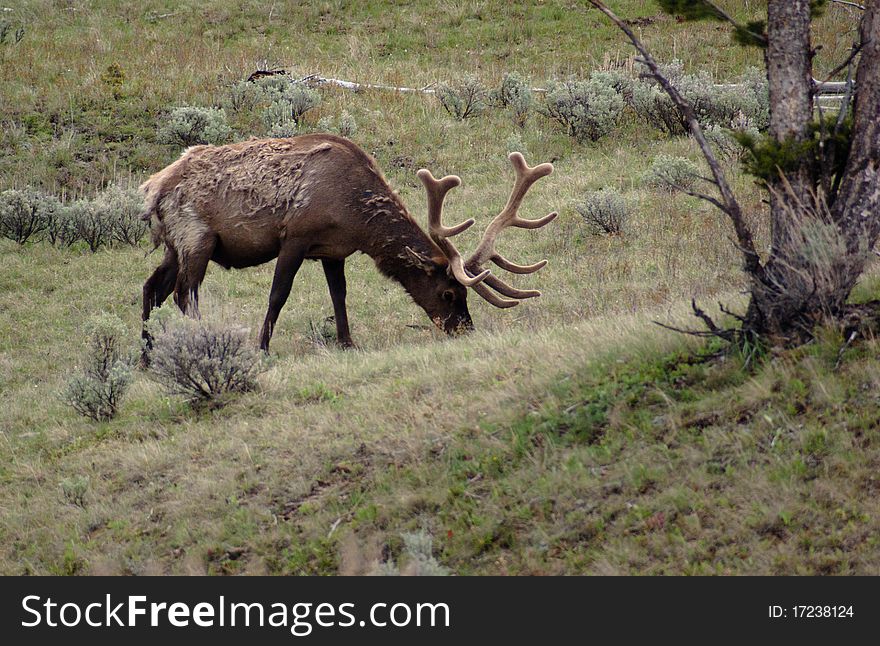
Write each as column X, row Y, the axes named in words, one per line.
column 568, row 435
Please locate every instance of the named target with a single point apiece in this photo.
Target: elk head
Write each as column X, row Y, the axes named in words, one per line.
column 450, row 300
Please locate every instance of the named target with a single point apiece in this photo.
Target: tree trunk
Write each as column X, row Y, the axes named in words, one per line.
column 778, row 302
column 858, row 202
column 817, row 252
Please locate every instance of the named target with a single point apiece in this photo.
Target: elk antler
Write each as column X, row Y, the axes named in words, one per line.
column 436, row 190
column 525, row 177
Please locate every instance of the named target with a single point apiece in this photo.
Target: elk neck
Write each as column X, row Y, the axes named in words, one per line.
column 388, row 230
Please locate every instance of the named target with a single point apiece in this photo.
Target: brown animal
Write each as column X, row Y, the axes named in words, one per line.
column 319, row 197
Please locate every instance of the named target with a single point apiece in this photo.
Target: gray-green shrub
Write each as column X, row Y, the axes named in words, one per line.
column 516, row 95
column 605, row 211
column 671, row 173
column 25, row 214
column 203, row 362
column 344, row 125
column 191, row 125
column 622, row 83
column 89, row 224
column 417, row 558
column 97, row 391
column 463, row 99
column 121, row 207
column 737, row 106
column 588, row 110
column 285, row 101
column 74, row 489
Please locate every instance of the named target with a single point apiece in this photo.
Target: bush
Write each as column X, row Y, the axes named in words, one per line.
column 89, row 224
column 286, row 101
column 284, row 129
column 75, row 489
column 190, row 125
column 756, row 105
column 203, row 362
column 121, row 209
column 741, row 106
column 672, row 173
column 725, row 144
column 464, row 99
column 622, row 83
column 97, row 392
column 605, row 211
column 345, row 125
column 515, row 94
column 243, row 96
column 418, row 558
column 588, row 110
column 25, row 214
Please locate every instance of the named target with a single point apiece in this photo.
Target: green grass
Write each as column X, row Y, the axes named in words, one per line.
column 568, row 435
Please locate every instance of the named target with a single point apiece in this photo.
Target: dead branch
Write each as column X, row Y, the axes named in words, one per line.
column 724, row 310
column 849, row 4
column 727, row 334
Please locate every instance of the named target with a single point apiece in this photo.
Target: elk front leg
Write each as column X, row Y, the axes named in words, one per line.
column 157, row 288
column 193, row 266
column 289, row 261
column 334, row 271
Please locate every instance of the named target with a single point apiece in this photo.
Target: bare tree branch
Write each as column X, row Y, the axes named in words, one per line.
column 849, row 4
column 708, row 198
column 725, row 310
column 856, row 48
column 751, row 259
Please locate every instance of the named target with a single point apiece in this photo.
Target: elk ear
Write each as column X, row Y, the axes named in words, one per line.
column 418, row 260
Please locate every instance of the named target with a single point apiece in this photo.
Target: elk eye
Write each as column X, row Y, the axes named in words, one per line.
column 448, row 295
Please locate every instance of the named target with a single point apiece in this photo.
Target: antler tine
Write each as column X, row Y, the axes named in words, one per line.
column 525, row 177
column 508, row 290
column 508, row 217
column 514, row 268
column 494, row 298
column 437, row 190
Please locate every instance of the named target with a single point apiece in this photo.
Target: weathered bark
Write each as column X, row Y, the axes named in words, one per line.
column 778, row 301
column 857, row 209
column 817, row 252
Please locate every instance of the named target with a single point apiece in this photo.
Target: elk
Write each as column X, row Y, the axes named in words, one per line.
column 320, row 197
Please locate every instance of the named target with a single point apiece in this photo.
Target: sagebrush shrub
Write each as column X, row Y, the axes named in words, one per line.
column 345, row 125
column 89, row 224
column 588, row 110
column 285, row 100
column 463, row 99
column 96, row 392
column 284, row 129
column 74, row 490
column 605, row 211
column 122, row 207
column 622, row 83
column 671, row 173
column 756, row 107
column 191, row 125
column 417, row 558
column 725, row 145
column 25, row 214
column 743, row 105
column 203, row 362
column 516, row 95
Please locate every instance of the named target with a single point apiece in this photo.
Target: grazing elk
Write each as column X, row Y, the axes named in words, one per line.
column 319, row 197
